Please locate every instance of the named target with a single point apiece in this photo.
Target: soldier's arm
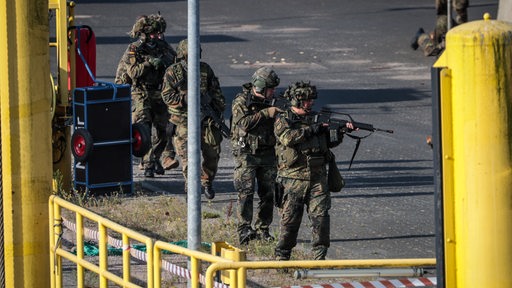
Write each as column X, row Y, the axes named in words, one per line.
column 242, row 116
column 137, row 67
column 171, row 95
column 218, row 100
column 288, row 136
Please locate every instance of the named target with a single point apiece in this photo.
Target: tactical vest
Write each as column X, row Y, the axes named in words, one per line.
column 260, row 137
column 304, row 159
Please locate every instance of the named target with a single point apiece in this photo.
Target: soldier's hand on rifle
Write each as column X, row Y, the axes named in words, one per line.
column 156, row 62
column 350, row 126
column 271, row 112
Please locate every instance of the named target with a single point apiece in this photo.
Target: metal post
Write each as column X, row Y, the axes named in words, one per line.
column 476, row 157
column 194, row 134
column 438, row 172
column 449, row 13
column 26, row 141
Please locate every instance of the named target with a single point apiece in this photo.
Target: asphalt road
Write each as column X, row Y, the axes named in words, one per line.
column 358, row 55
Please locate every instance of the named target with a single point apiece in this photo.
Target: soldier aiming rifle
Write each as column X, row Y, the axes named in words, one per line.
column 337, row 127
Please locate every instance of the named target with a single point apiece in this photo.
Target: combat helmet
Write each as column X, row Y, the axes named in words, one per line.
column 146, row 25
column 182, row 50
column 264, row 78
column 299, row 92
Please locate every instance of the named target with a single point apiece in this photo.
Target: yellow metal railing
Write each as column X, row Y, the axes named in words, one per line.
column 195, row 262
column 56, row 204
column 242, row 266
column 232, row 260
column 152, row 256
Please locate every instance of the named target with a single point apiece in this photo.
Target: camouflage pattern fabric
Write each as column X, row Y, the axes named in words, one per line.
column 316, row 197
column 433, row 45
column 302, row 158
column 136, row 68
column 429, row 47
column 253, row 143
column 122, row 69
column 174, row 95
column 295, row 144
column 174, row 90
column 148, row 108
column 210, row 148
column 460, row 7
column 145, row 25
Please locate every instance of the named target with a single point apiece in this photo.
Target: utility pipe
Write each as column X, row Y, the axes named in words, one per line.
column 347, row 273
column 26, row 141
column 194, row 140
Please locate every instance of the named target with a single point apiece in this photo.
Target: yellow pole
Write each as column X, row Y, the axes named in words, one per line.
column 479, row 55
column 26, row 140
column 80, row 272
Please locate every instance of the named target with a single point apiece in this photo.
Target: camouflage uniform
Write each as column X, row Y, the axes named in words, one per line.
column 174, row 94
column 302, row 152
column 460, row 7
column 143, row 65
column 433, row 44
column 253, row 144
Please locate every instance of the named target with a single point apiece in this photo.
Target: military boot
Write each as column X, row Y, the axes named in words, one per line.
column 282, row 255
column 209, row 193
column 319, row 253
column 170, row 163
column 247, row 235
column 414, row 40
column 265, row 235
column 149, row 173
column 159, row 169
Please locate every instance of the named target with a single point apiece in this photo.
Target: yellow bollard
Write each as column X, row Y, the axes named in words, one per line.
column 230, row 252
column 477, row 156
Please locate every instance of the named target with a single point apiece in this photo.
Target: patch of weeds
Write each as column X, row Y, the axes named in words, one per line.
column 210, row 215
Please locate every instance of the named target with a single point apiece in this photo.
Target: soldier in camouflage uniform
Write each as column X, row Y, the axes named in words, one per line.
column 432, row 44
column 142, row 66
column 303, row 151
column 174, row 94
column 253, row 141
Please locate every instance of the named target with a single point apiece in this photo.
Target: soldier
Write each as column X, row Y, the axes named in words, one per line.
column 432, row 44
column 174, row 94
column 142, row 66
column 303, row 151
column 460, row 7
column 253, row 141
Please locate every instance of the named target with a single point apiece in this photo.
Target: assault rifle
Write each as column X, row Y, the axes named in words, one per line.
column 207, row 111
column 338, row 126
column 279, row 102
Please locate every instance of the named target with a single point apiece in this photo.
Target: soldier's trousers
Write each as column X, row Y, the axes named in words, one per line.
column 149, row 109
column 460, row 7
column 429, row 46
column 316, row 197
column 250, row 171
column 211, row 139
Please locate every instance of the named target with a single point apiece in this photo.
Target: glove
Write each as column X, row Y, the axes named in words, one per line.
column 271, row 112
column 156, row 62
